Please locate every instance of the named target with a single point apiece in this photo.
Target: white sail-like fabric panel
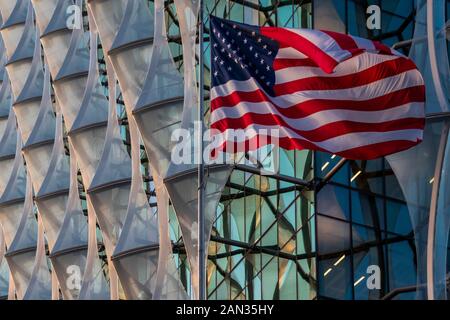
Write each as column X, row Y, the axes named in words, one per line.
column 84, row 106
column 22, row 251
column 128, row 45
column 168, row 284
column 159, row 109
column 107, row 15
column 40, row 285
column 94, row 285
column 11, row 205
column 12, row 199
column 88, row 130
column 157, row 113
column 28, row 94
column 5, row 97
column 417, row 191
column 442, row 228
column 44, row 10
column 4, row 270
column 5, row 103
column 7, row 144
column 20, row 58
column 67, row 55
column 14, row 15
column 184, row 199
column 182, row 177
column 429, row 52
column 6, row 8
column 55, row 34
column 36, row 120
column 70, row 250
column 35, row 117
column 86, row 122
column 70, row 82
column 132, row 44
column 37, row 150
column 51, row 198
column 136, row 254
column 110, row 187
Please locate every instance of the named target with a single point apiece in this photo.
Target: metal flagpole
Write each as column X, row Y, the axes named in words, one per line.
column 201, row 186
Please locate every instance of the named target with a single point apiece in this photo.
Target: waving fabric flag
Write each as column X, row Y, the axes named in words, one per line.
column 322, row 90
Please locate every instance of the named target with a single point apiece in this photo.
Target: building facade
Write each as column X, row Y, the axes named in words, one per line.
column 93, row 207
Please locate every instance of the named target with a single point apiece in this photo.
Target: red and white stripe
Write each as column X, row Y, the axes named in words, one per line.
column 326, row 48
column 370, row 106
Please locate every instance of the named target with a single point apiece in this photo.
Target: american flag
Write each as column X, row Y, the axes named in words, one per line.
column 322, row 90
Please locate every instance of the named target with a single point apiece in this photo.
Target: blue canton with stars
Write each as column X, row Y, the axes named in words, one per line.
column 240, row 52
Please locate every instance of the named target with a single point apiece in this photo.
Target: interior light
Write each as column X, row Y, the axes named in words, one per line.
column 327, row 272
column 358, row 281
column 340, row 260
column 431, row 180
column 355, row 176
column 325, row 165
column 333, row 156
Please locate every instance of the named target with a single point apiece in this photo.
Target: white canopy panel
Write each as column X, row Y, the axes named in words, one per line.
column 22, row 251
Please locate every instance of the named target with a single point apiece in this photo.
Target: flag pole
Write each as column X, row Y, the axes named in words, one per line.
column 201, row 186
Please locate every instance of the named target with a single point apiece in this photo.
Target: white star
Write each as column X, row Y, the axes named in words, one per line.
column 268, row 68
column 251, row 48
column 218, row 34
column 215, row 45
column 215, row 58
column 256, row 71
column 234, row 26
column 245, row 40
column 262, row 61
column 263, row 77
column 229, row 68
column 223, row 40
column 228, row 46
column 256, row 55
column 229, row 55
column 221, row 24
column 265, row 46
column 253, row 33
column 236, row 60
column 268, row 83
column 221, row 62
column 239, row 33
column 259, row 39
column 227, row 33
column 222, row 50
column 269, row 53
column 216, row 73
